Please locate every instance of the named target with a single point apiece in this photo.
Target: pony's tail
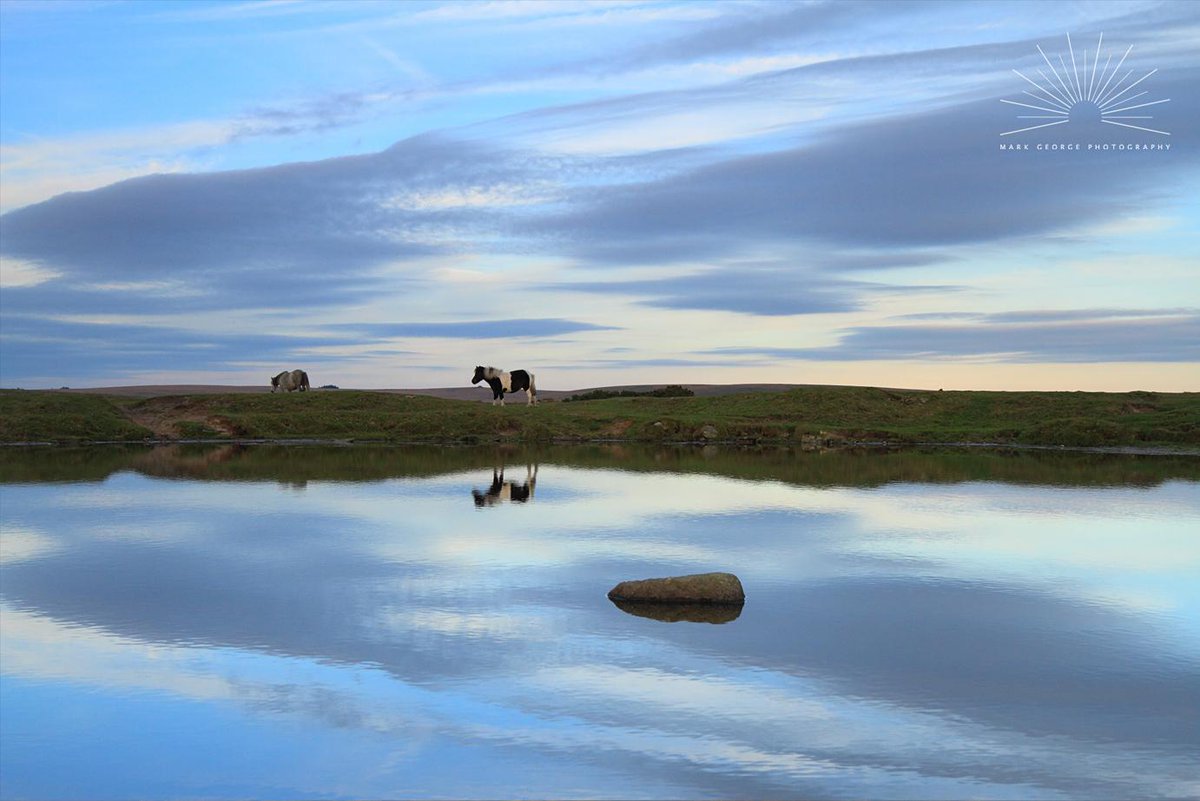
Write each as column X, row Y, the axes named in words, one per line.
column 532, row 388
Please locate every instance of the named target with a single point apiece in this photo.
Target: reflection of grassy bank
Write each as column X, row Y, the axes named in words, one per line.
column 298, row 465
column 809, row 416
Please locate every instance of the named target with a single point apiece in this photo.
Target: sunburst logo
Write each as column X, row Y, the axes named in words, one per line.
column 1086, row 92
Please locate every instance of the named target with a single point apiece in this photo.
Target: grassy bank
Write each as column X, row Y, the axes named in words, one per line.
column 810, row 416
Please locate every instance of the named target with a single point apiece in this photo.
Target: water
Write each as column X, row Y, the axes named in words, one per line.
column 271, row 622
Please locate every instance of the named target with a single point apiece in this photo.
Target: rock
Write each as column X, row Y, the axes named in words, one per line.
column 700, row 588
column 669, row 612
column 709, row 432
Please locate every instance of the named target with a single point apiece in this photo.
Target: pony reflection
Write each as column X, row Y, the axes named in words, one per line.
column 502, row 490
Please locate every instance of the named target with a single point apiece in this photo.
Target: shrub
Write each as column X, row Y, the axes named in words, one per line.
column 669, row 391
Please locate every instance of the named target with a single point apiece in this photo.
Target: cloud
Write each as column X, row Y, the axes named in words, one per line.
column 806, row 285
column 34, row 170
column 34, row 346
column 772, row 28
column 762, row 292
column 914, row 181
column 1059, row 337
column 476, row 329
column 1087, row 315
column 42, row 168
column 503, row 10
column 15, row 273
column 226, row 12
column 46, row 350
column 317, row 114
column 626, row 364
column 307, row 234
column 750, row 29
column 872, row 77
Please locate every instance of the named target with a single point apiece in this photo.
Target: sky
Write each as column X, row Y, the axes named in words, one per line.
column 986, row 195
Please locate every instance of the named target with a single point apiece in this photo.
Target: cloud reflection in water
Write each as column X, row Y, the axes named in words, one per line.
column 900, row 642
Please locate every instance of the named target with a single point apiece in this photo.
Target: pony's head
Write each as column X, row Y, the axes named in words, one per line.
column 274, row 382
column 483, row 373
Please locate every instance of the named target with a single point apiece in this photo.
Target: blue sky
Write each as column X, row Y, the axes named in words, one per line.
column 387, row 194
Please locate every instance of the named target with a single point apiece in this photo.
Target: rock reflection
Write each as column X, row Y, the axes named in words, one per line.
column 502, row 490
column 682, row 613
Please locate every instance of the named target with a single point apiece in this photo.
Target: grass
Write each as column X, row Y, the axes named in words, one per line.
column 808, row 416
column 843, row 467
column 27, row 416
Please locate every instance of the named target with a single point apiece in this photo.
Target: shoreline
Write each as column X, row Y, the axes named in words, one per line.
column 845, row 445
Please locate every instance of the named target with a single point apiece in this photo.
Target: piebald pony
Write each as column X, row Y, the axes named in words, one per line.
column 502, row 382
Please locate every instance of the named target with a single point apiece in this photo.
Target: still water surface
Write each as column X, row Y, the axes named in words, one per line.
column 311, row 622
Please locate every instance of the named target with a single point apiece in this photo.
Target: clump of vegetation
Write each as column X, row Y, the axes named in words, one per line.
column 669, row 391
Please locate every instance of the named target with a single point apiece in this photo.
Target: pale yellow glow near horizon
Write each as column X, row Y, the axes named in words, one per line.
column 1116, row 377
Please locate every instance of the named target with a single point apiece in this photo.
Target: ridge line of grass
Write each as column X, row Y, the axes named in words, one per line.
column 807, row 416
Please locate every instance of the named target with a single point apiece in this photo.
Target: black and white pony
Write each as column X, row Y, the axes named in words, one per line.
column 502, row 490
column 502, row 382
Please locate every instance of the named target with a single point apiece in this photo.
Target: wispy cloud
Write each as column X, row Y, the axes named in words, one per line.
column 57, row 348
column 776, row 290
column 17, row 273
column 231, row 236
column 564, row 13
column 924, row 180
column 35, row 170
column 477, row 329
column 1061, row 337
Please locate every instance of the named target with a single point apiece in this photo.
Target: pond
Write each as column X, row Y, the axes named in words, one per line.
column 365, row 622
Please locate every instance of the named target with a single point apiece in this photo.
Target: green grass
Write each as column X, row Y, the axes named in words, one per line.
column 810, row 416
column 29, row 416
